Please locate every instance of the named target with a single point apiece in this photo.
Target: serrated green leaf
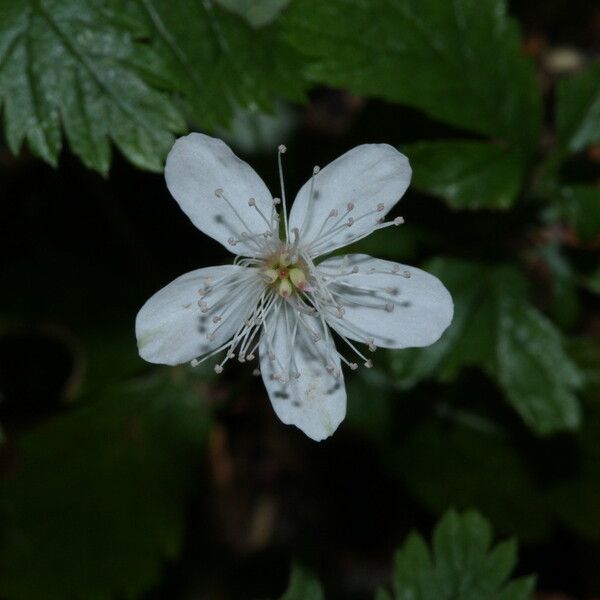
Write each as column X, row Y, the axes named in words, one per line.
column 578, row 109
column 496, row 328
column 459, row 544
column 580, row 205
column 96, row 504
column 75, row 63
column 466, row 174
column 216, row 61
column 410, row 561
column 463, row 566
column 460, row 61
column 303, row 586
column 258, row 13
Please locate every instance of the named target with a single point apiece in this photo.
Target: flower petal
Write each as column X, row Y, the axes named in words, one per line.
column 315, row 402
column 172, row 328
column 196, row 167
column 372, row 177
column 395, row 305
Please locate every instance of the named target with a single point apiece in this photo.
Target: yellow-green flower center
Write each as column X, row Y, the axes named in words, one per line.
column 285, row 276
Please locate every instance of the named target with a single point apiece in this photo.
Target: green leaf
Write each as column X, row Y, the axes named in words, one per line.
column 409, row 562
column 461, row 567
column 303, row 586
column 96, row 503
column 496, row 328
column 217, row 61
column 76, row 64
column 533, row 369
column 578, row 109
column 460, row 61
column 580, row 206
column 467, row 174
column 258, row 13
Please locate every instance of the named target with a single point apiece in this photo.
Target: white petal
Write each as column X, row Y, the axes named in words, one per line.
column 172, row 328
column 315, row 402
column 198, row 165
column 368, row 176
column 396, row 305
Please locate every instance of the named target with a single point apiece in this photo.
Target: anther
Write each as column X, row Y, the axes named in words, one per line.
column 333, row 213
column 406, row 274
column 285, row 288
column 353, row 366
column 395, row 268
column 219, row 192
column 316, row 169
column 350, row 222
column 216, row 319
column 380, row 207
column 398, row 220
column 282, row 148
column 194, row 362
column 350, row 206
column 251, row 356
column 369, row 364
column 389, row 307
column 355, row 269
column 271, row 275
column 297, row 277
column 276, row 201
column 252, row 202
column 316, row 337
column 232, row 241
column 218, row 369
column 203, row 306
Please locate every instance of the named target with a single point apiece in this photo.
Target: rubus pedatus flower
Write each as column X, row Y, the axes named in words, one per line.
column 277, row 302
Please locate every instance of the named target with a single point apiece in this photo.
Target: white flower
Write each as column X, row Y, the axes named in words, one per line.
column 275, row 300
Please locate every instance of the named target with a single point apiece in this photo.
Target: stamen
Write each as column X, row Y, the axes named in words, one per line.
column 219, row 193
column 281, row 150
column 311, row 192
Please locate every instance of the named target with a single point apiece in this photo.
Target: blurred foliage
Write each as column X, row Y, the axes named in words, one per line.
column 578, row 110
column 303, row 586
column 461, row 565
column 97, row 502
column 100, row 459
